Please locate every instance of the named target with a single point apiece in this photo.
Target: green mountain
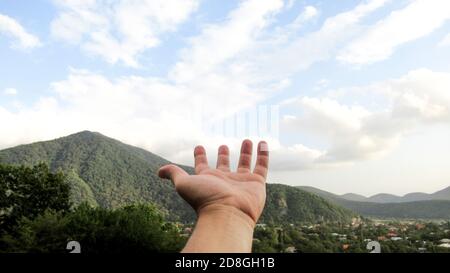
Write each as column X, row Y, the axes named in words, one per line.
column 108, row 173
column 104, row 171
column 424, row 209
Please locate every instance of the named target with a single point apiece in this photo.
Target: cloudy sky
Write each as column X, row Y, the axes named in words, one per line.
column 352, row 95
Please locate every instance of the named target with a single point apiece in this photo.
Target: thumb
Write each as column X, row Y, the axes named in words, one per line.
column 171, row 172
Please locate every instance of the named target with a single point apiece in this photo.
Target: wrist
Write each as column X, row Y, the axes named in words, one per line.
column 221, row 228
column 231, row 213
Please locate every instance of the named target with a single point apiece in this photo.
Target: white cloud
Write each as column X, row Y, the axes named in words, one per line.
column 295, row 157
column 343, row 127
column 445, row 42
column 421, row 94
column 10, row 91
column 281, row 56
column 119, row 31
column 23, row 39
column 353, row 133
column 241, row 49
column 418, row 19
column 219, row 43
column 283, row 34
column 308, row 13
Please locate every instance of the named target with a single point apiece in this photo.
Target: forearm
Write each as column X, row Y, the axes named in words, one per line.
column 221, row 229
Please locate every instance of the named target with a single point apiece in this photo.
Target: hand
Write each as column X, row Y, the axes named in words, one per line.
column 243, row 190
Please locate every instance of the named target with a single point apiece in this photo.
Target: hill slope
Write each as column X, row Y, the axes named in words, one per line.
column 286, row 203
column 108, row 173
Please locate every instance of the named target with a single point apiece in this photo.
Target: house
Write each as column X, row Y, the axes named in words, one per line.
column 396, row 238
column 356, row 222
column 420, row 226
column 422, row 249
column 392, row 234
column 290, row 249
column 445, row 241
column 447, row 245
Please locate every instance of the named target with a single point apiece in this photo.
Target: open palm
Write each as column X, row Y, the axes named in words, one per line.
column 243, row 189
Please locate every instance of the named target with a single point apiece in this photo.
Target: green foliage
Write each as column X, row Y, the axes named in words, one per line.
column 28, row 192
column 80, row 192
column 36, row 217
column 131, row 229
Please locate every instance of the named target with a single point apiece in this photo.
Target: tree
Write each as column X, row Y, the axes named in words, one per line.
column 29, row 192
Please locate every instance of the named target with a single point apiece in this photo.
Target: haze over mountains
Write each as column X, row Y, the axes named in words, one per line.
column 105, row 172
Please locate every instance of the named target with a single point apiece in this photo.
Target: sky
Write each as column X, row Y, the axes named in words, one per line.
column 351, row 95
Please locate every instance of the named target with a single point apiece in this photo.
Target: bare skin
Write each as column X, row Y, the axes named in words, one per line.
column 228, row 204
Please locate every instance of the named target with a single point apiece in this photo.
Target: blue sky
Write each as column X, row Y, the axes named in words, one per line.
column 362, row 86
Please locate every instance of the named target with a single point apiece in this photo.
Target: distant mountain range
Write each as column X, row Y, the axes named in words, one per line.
column 390, row 198
column 438, row 208
column 108, row 173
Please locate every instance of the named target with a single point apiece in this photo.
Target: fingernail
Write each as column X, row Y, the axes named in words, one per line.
column 264, row 147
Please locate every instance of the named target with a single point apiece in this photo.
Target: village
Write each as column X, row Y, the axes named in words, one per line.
column 394, row 236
